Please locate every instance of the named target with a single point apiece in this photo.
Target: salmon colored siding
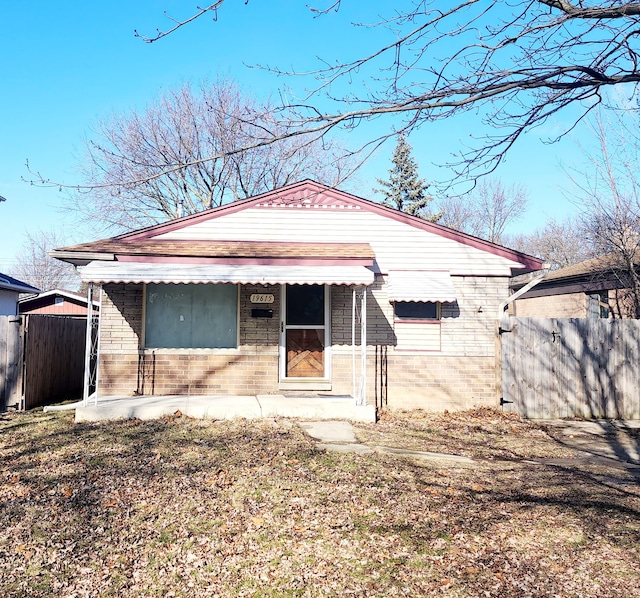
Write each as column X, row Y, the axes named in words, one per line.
column 65, row 309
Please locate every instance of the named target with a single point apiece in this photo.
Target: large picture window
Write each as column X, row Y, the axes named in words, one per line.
column 191, row 316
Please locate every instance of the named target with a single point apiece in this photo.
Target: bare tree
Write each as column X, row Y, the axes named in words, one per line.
column 559, row 244
column 608, row 191
column 514, row 64
column 129, row 165
column 487, row 211
column 36, row 267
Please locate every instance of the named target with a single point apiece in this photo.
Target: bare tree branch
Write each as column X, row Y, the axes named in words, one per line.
column 487, row 210
column 513, row 64
column 35, row 266
column 130, row 167
column 181, row 23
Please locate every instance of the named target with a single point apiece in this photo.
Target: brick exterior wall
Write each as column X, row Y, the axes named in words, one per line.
column 567, row 305
column 461, row 374
column 127, row 369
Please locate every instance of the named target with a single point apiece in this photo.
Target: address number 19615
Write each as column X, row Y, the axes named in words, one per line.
column 261, row 298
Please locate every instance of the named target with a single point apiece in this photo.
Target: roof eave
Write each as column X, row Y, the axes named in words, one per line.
column 81, row 258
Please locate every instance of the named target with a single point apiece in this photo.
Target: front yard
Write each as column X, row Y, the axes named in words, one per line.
column 180, row 507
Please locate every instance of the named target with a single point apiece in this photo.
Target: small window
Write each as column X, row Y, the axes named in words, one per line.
column 59, row 300
column 417, row 310
column 598, row 305
column 604, row 304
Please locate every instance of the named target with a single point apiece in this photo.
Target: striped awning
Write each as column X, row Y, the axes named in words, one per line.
column 140, row 272
column 421, row 285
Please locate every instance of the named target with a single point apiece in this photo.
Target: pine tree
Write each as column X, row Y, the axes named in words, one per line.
column 404, row 190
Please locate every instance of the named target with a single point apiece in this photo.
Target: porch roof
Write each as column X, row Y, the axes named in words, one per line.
column 140, row 272
column 421, row 285
column 235, row 252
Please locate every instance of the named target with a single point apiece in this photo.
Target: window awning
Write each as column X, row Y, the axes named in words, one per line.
column 421, row 285
column 138, row 272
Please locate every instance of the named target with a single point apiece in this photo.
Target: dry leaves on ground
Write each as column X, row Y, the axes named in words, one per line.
column 179, row 507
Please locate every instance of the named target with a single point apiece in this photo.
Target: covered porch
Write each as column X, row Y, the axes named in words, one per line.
column 318, row 406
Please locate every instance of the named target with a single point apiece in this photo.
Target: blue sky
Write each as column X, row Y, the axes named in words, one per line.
column 67, row 64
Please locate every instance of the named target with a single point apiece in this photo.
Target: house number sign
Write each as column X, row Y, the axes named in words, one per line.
column 261, row 298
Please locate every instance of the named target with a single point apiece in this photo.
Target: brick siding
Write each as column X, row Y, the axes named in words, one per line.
column 459, row 375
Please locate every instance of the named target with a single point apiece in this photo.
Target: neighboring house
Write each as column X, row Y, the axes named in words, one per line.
column 10, row 289
column 303, row 289
column 56, row 302
column 595, row 288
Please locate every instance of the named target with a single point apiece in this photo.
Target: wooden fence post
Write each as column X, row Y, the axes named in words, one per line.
column 11, row 360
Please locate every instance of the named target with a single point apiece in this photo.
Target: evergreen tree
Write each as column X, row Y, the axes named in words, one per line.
column 404, row 190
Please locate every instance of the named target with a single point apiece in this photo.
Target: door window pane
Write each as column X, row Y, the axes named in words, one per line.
column 305, row 305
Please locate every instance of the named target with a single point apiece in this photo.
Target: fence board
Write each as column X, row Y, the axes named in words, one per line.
column 556, row 368
column 4, row 326
column 10, row 361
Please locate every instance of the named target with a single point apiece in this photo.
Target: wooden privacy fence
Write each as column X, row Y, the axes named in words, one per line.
column 557, row 368
column 46, row 359
column 54, row 358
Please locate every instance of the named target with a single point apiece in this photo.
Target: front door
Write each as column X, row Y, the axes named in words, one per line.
column 305, row 332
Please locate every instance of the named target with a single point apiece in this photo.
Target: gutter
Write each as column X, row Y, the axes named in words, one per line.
column 81, row 258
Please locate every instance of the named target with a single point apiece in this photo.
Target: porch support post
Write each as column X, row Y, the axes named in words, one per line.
column 92, row 345
column 96, row 349
column 87, row 346
column 353, row 342
column 362, row 396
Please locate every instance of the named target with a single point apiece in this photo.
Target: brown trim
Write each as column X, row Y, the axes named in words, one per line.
column 246, row 261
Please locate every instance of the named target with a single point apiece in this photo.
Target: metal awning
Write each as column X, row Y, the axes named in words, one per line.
column 138, row 272
column 421, row 285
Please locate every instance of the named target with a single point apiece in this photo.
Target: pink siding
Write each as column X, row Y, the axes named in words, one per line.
column 65, row 309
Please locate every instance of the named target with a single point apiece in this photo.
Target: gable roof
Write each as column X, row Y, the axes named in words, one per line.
column 74, row 297
column 596, row 274
column 309, row 194
column 305, row 195
column 260, row 229
column 8, row 283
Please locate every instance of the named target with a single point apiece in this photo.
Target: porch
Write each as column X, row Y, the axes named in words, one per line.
column 226, row 407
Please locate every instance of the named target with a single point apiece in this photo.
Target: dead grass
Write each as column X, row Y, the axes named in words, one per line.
column 179, row 507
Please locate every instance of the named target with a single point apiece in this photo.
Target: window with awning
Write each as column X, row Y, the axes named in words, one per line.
column 433, row 286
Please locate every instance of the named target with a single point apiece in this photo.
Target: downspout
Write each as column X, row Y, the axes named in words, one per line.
column 527, row 287
column 502, row 326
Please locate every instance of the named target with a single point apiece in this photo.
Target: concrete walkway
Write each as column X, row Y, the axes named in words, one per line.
column 226, row 407
column 338, row 436
column 600, row 441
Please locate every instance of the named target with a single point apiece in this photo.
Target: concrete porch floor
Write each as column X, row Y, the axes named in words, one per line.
column 225, row 407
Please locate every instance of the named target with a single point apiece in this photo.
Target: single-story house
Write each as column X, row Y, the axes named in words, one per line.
column 56, row 302
column 595, row 288
column 305, row 289
column 10, row 290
